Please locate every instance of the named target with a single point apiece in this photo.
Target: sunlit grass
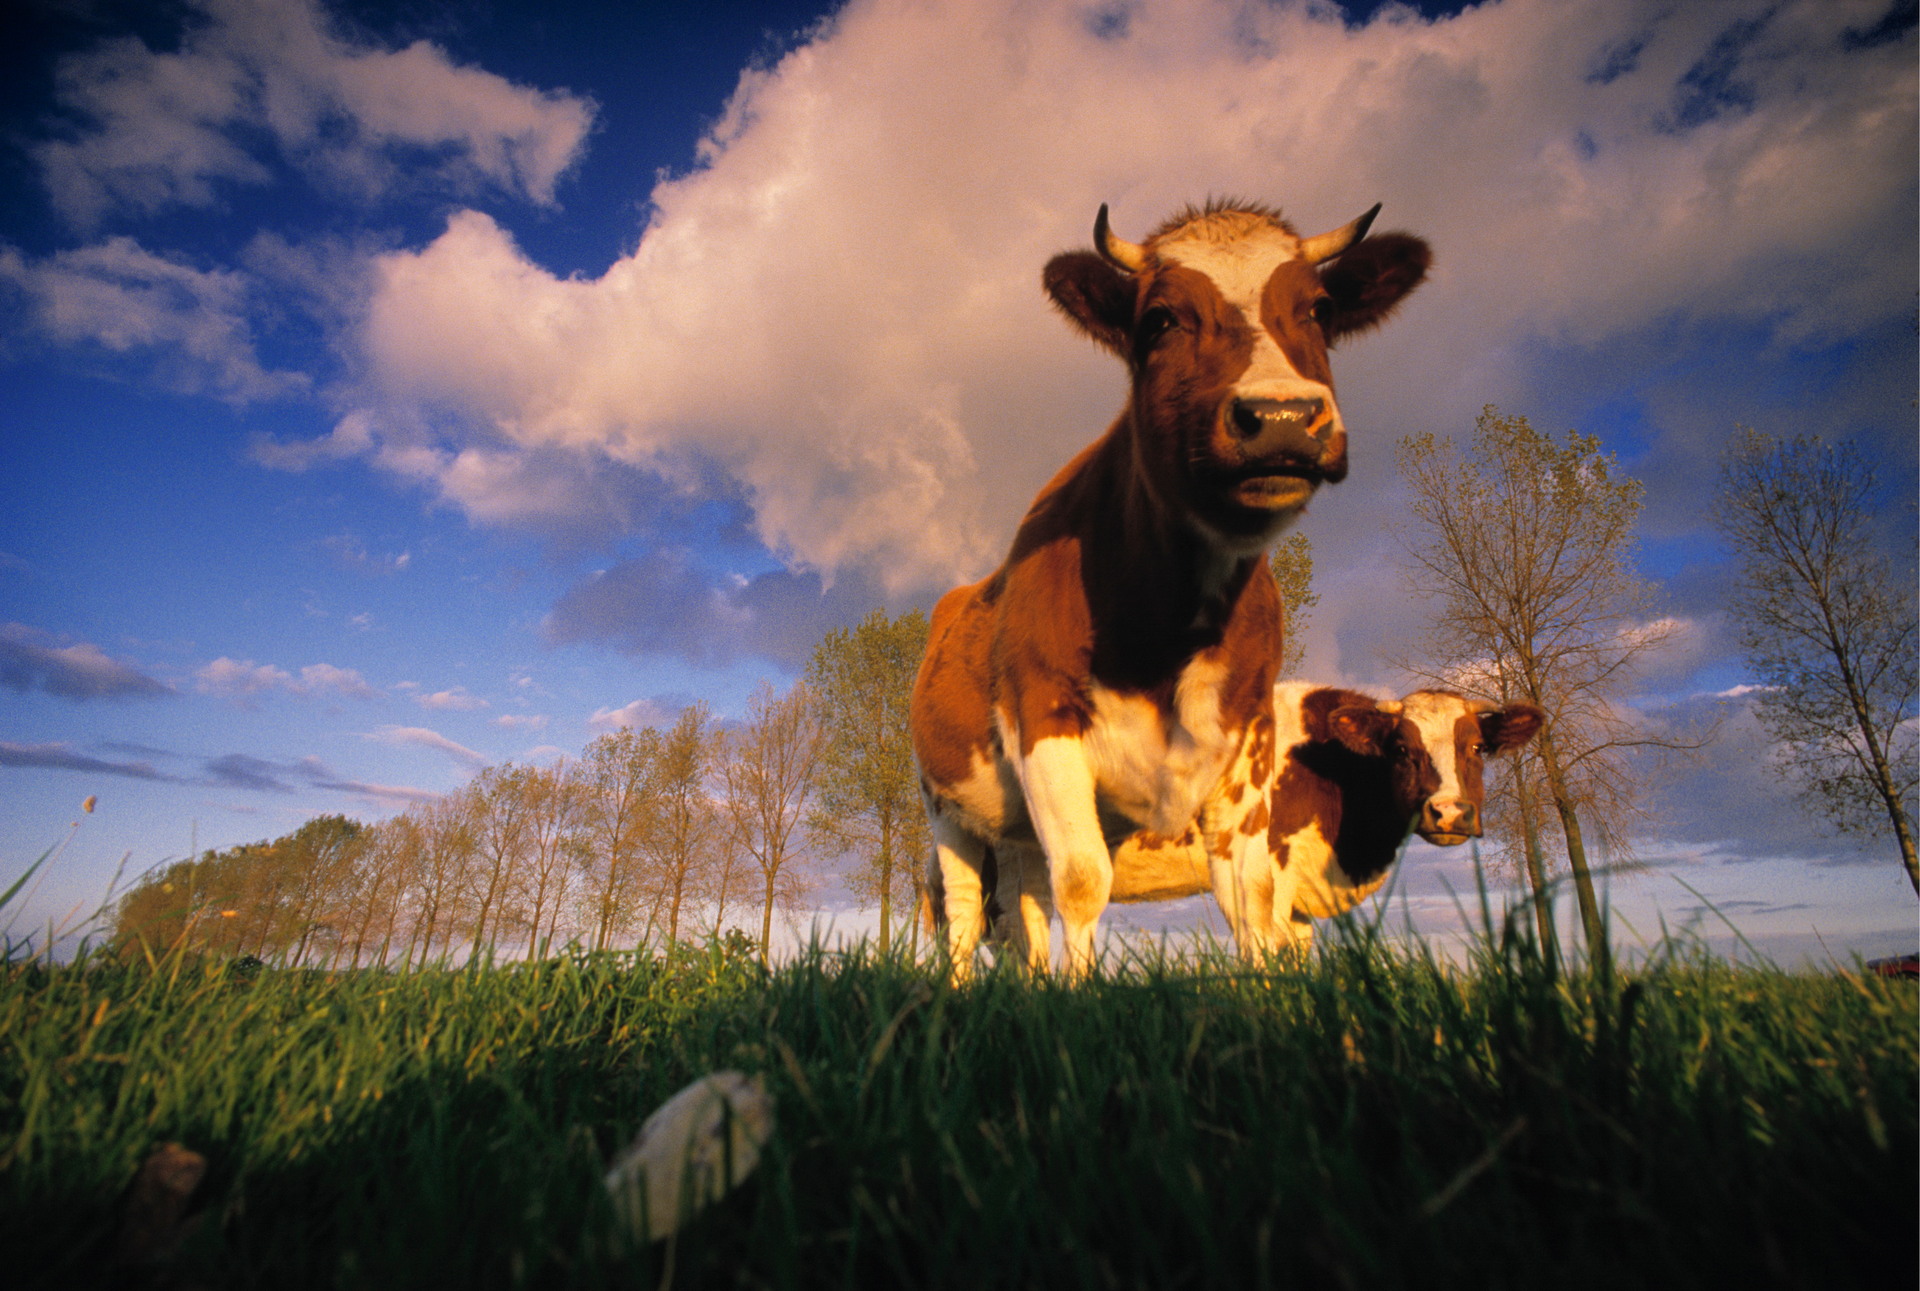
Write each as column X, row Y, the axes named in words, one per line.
column 1379, row 1118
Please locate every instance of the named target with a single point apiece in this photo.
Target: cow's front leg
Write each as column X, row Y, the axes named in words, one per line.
column 1243, row 884
column 1058, row 783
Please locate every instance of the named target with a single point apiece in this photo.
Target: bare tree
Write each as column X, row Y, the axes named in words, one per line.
column 769, row 773
column 1292, row 564
column 867, row 798
column 1527, row 546
column 1827, row 629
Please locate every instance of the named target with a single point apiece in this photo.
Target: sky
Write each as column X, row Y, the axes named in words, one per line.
column 395, row 389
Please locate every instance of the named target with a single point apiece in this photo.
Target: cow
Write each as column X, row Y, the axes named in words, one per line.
column 1357, row 777
column 1116, row 672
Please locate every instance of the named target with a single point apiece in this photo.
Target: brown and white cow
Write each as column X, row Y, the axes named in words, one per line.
column 1357, row 777
column 1115, row 673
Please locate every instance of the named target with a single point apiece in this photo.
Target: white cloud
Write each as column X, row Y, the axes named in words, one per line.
column 191, row 324
column 640, row 713
column 422, row 737
column 243, row 679
column 152, row 129
column 318, row 677
column 522, row 721
column 840, row 306
column 456, row 699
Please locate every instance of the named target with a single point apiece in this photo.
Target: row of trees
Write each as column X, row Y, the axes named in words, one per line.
column 649, row 837
column 1525, row 545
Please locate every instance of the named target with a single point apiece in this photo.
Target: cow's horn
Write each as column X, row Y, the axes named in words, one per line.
column 1127, row 255
column 1328, row 245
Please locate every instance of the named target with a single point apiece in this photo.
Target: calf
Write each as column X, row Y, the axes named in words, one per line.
column 1357, row 777
column 1115, row 673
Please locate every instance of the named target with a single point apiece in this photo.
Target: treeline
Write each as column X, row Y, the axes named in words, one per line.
column 650, row 837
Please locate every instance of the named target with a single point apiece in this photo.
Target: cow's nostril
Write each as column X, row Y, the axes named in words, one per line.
column 1279, row 418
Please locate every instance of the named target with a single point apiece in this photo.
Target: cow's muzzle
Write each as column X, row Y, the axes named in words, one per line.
column 1448, row 823
column 1291, row 435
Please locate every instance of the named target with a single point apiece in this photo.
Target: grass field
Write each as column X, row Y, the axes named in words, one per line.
column 1379, row 1119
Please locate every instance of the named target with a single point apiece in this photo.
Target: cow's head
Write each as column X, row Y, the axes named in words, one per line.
column 1224, row 317
column 1394, row 750
column 1458, row 734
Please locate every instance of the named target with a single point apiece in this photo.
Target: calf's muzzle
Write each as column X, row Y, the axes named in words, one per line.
column 1456, row 819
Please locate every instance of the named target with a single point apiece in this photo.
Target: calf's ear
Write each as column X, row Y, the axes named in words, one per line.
column 1370, row 279
column 1508, row 728
column 1095, row 296
column 1362, row 729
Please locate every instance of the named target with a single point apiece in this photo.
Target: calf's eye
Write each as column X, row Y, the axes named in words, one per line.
column 1322, row 310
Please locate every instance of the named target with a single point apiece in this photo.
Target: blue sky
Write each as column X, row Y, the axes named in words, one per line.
column 396, row 388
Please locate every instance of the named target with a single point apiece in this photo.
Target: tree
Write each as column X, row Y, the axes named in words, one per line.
column 867, row 800
column 621, row 770
column 1527, row 547
column 769, row 773
column 1292, row 564
column 1827, row 629
column 497, row 805
column 688, row 822
column 556, row 811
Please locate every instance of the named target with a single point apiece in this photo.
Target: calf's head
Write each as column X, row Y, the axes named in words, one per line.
column 1224, row 317
column 1458, row 734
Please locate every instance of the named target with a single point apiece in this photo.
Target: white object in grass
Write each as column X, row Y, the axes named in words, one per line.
column 694, row 1148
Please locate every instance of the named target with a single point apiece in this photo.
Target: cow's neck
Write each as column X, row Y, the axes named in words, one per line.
column 1367, row 832
column 1168, row 593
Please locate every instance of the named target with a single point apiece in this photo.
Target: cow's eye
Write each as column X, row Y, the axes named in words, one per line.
column 1155, row 323
column 1322, row 310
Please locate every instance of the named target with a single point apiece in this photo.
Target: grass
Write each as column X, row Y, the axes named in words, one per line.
column 1378, row 1119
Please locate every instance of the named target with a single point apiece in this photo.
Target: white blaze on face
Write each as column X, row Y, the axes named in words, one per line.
column 1240, row 270
column 1437, row 717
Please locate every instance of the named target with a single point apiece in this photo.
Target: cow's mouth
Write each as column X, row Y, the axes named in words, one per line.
column 1444, row 840
column 1275, row 490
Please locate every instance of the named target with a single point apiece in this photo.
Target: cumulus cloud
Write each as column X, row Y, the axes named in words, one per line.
column 30, row 660
column 244, row 679
column 255, row 82
column 838, row 309
column 420, row 736
column 192, row 326
column 522, row 721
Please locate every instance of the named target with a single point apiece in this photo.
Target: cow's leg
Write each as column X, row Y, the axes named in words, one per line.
column 1058, row 784
column 1025, row 898
column 958, row 857
column 1244, row 886
column 1302, row 926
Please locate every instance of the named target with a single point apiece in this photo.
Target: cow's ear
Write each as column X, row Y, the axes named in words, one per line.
column 1370, row 279
column 1362, row 729
column 1096, row 295
column 1510, row 727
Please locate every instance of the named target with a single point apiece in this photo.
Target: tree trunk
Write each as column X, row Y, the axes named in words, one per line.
column 1576, row 850
column 1536, row 865
column 766, row 922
